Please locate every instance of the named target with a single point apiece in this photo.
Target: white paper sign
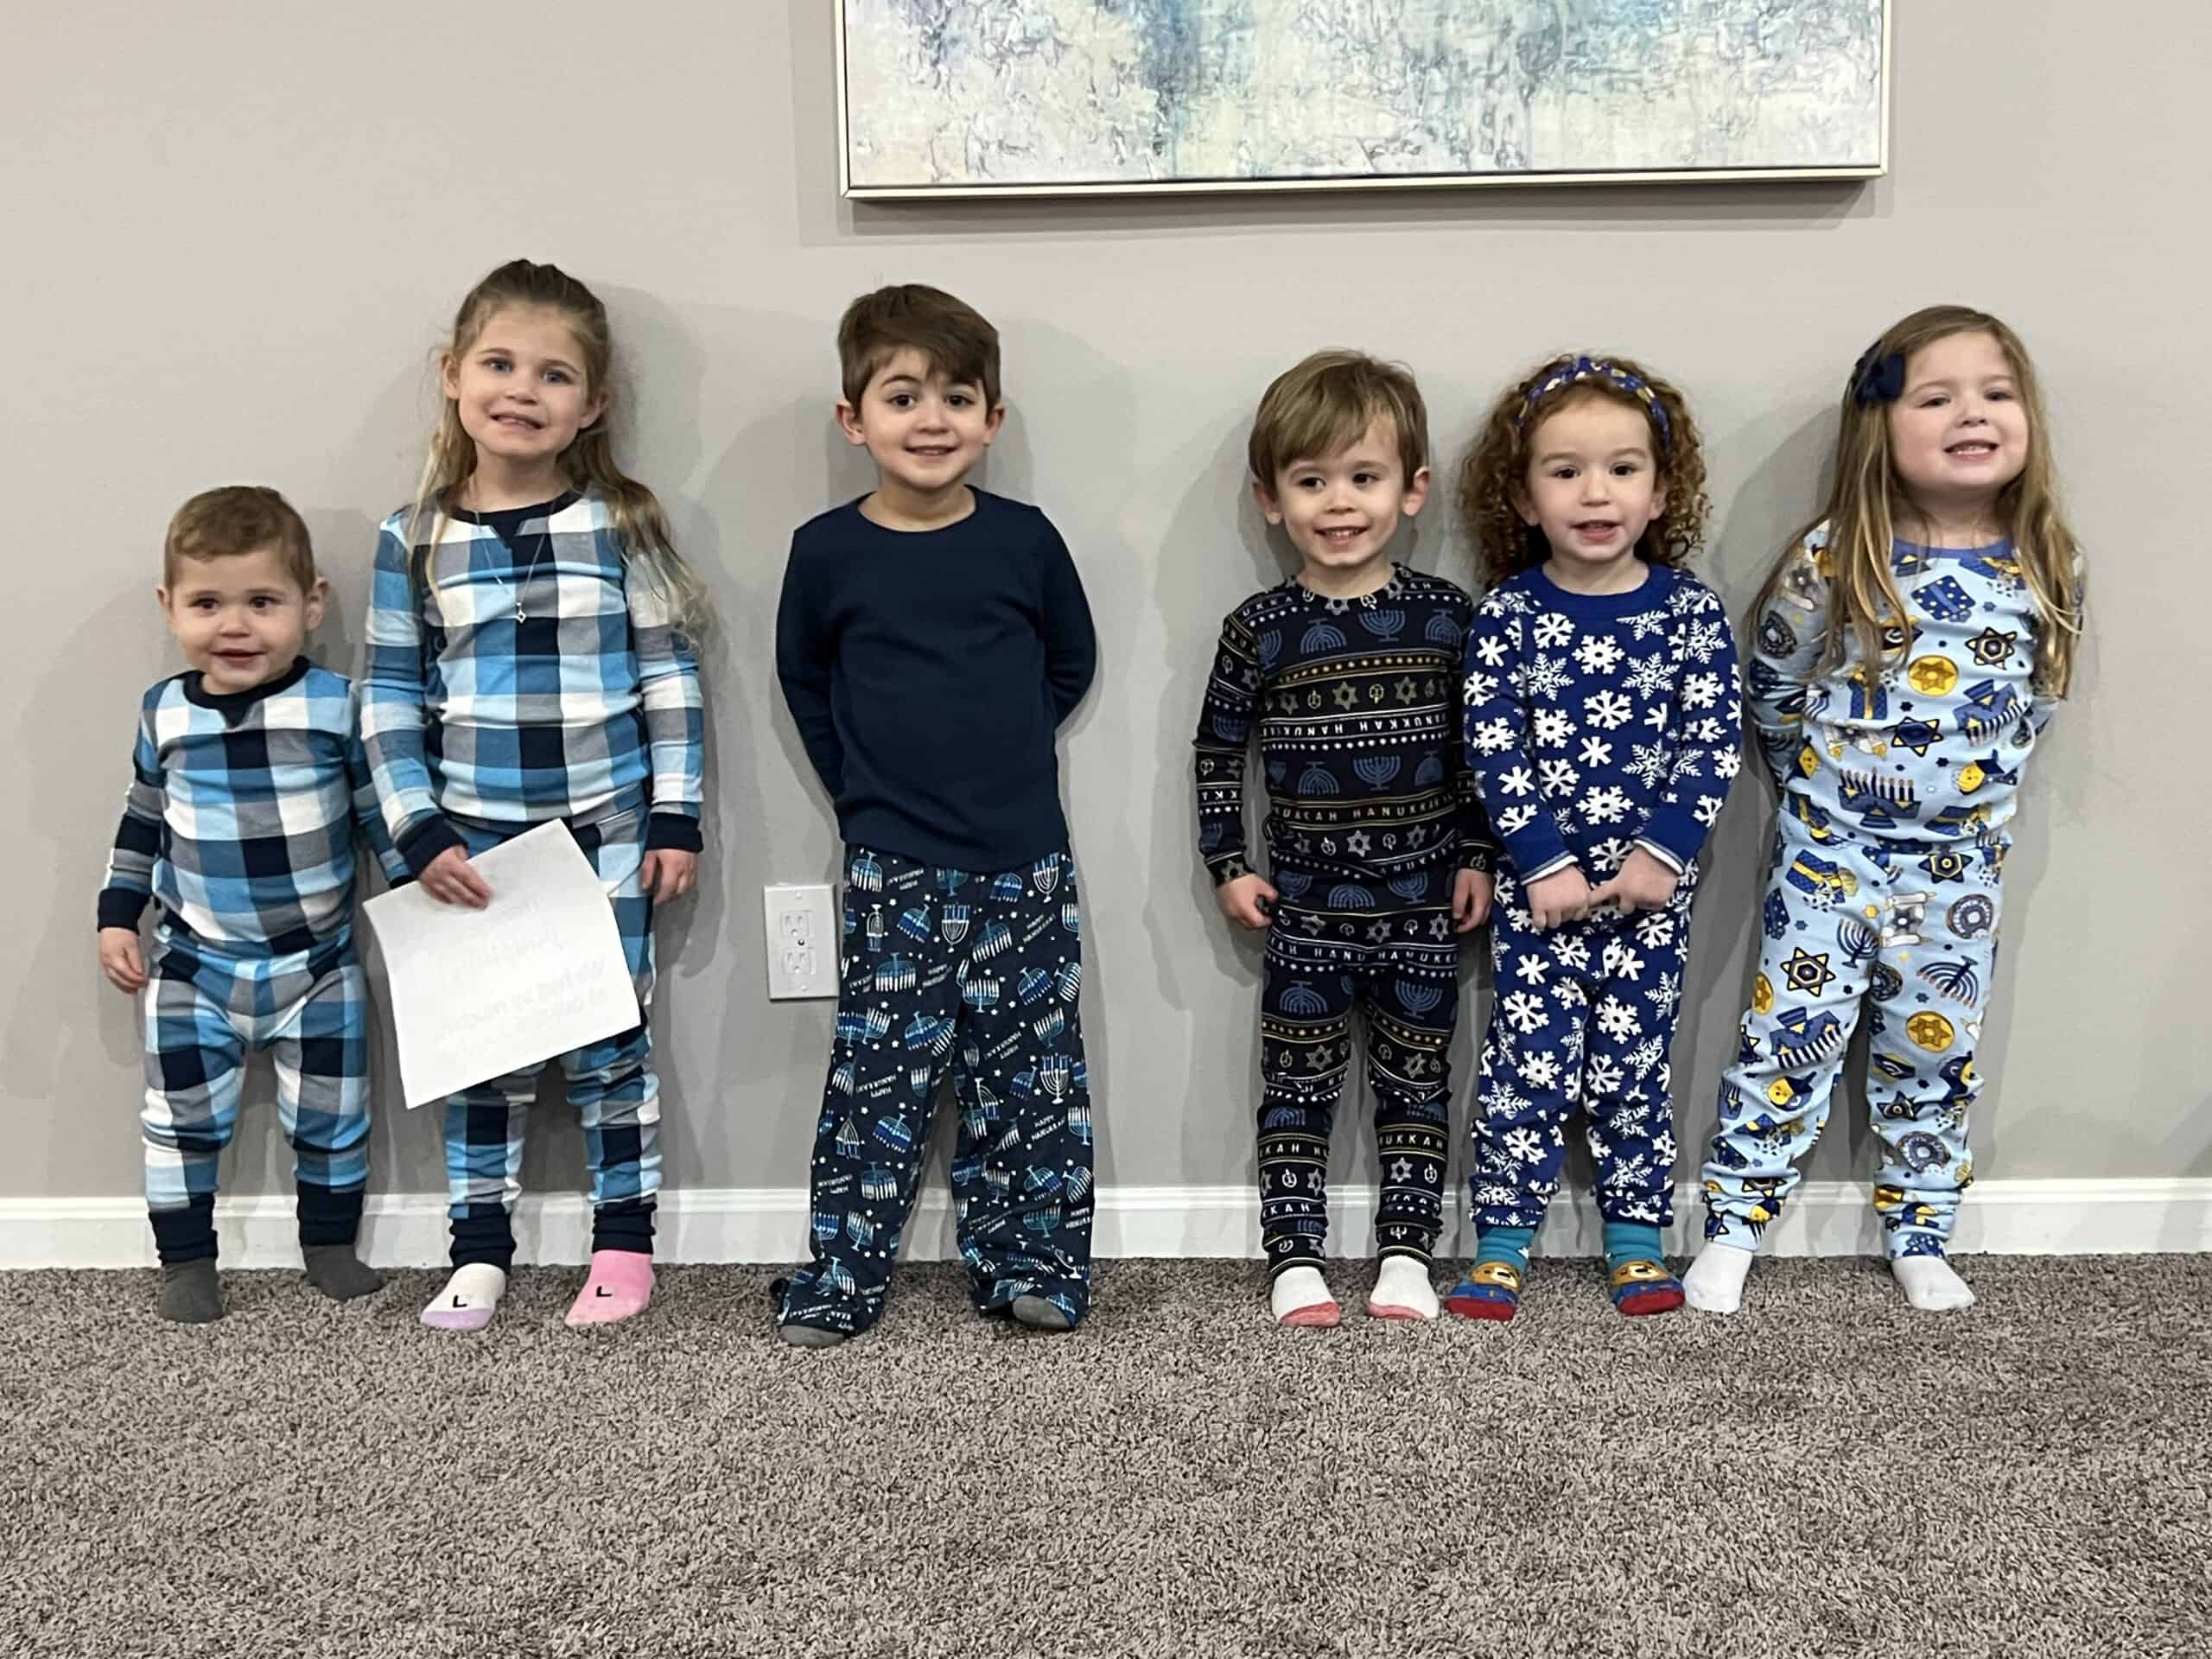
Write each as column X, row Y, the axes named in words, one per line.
column 476, row 993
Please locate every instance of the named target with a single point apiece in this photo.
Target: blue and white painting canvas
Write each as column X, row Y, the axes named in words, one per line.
column 980, row 97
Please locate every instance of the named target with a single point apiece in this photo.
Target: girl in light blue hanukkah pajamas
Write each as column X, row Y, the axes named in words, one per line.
column 1908, row 650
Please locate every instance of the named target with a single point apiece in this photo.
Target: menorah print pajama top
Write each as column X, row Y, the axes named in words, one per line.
column 1372, row 816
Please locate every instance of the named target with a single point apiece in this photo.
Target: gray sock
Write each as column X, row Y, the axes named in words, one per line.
column 189, row 1293
column 1040, row 1314
column 809, row 1336
column 338, row 1273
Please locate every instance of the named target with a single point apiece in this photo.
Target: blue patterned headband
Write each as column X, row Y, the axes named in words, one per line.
column 1588, row 370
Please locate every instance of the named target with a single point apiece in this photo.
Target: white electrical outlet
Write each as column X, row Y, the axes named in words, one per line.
column 803, row 942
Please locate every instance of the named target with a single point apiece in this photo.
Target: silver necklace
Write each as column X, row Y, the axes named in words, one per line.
column 521, row 615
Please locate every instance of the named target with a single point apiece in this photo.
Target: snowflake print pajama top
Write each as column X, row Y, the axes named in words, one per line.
column 1596, row 724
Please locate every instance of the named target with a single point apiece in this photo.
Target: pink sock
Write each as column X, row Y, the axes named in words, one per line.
column 620, row 1284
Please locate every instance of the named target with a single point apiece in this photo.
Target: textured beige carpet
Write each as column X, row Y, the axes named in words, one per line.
column 1827, row 1473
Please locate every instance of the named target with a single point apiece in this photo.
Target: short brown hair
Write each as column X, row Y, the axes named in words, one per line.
column 237, row 520
column 1496, row 468
column 952, row 334
column 1325, row 403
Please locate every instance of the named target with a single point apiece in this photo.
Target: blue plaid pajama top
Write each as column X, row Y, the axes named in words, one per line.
column 241, row 814
column 530, row 673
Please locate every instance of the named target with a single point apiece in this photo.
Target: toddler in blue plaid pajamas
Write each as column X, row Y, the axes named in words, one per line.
column 529, row 659
column 249, row 781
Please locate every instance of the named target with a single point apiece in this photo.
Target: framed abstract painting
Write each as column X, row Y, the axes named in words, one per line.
column 989, row 98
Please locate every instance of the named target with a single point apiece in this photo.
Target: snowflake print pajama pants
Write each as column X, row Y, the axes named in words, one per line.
column 1583, row 1019
column 1907, row 931
column 979, row 977
column 203, row 1013
column 1387, row 950
column 611, row 1084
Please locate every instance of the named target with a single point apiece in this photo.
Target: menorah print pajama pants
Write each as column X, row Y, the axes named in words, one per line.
column 977, row 975
column 1385, row 949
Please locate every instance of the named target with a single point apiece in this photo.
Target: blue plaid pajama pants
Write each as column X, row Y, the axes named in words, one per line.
column 1387, row 950
column 977, row 975
column 204, row 1013
column 1905, row 933
column 611, row 1083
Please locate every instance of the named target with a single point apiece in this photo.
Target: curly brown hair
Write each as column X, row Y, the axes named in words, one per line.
column 1496, row 469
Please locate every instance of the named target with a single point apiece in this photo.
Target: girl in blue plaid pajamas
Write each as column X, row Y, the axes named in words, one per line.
column 1909, row 646
column 529, row 659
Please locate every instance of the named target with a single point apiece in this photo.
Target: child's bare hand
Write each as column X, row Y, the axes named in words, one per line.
column 1470, row 892
column 120, row 959
column 1645, row 883
column 1249, row 901
column 668, row 873
column 1562, row 897
column 451, row 881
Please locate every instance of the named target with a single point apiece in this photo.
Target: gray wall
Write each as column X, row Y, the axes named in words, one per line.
column 235, row 233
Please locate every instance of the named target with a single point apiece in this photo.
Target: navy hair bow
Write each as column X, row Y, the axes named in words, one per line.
column 1877, row 379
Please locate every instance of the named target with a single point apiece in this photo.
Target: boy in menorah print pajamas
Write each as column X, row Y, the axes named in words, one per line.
column 1377, row 851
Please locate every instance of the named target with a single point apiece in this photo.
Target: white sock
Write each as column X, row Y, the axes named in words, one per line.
column 1931, row 1284
column 1296, row 1289
column 468, row 1298
column 1714, row 1283
column 1403, row 1290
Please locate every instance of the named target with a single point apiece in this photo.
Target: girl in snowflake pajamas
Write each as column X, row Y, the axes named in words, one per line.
column 1911, row 646
column 1601, row 725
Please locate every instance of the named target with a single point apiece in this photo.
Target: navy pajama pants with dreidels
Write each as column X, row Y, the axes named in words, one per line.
column 978, row 976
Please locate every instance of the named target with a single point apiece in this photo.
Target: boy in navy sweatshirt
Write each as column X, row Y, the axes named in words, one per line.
column 931, row 638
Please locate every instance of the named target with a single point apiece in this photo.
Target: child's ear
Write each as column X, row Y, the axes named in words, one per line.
column 1416, row 492
column 1525, row 504
column 993, row 422
column 318, row 601
column 1270, row 509
column 1659, row 501
column 592, row 410
column 849, row 422
column 448, row 375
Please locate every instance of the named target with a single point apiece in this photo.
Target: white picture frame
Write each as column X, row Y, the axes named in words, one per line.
column 906, row 102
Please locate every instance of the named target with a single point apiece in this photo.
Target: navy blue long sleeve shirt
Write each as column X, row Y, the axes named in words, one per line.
column 927, row 671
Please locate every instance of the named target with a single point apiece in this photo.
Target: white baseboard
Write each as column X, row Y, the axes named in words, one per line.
column 767, row 1224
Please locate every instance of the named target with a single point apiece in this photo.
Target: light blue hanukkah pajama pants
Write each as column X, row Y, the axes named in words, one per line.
column 977, row 976
column 1908, row 931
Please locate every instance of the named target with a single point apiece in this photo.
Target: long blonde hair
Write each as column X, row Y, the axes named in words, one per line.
column 1864, row 506
column 588, row 464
